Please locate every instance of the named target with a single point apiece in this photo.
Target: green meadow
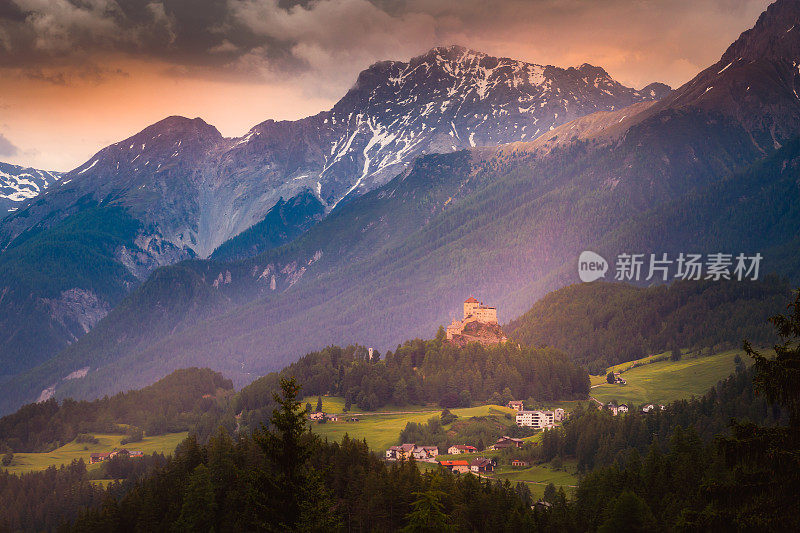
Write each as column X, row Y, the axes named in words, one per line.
column 28, row 462
column 381, row 429
column 330, row 404
column 624, row 367
column 538, row 476
column 666, row 381
column 335, row 404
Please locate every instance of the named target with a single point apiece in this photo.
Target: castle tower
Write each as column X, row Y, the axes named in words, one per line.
column 481, row 320
column 471, row 305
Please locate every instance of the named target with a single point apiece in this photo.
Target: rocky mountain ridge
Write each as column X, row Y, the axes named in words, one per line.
column 196, row 189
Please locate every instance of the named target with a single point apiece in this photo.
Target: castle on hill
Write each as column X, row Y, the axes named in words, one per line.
column 474, row 311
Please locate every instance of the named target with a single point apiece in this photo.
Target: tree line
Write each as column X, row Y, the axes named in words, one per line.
column 182, row 401
column 424, row 372
column 604, row 324
column 283, row 478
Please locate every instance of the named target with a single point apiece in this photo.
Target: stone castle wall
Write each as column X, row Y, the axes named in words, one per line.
column 474, row 311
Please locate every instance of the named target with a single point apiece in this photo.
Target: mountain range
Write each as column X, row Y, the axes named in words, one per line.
column 179, row 190
column 198, row 189
column 380, row 251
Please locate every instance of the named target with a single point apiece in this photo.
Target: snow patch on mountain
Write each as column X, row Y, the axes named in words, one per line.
column 18, row 184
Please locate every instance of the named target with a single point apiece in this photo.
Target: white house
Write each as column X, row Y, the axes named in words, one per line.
column 406, row 451
column 317, row 416
column 536, row 419
column 647, row 408
column 622, row 408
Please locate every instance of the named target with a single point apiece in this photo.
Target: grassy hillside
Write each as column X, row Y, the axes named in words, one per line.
column 31, row 462
column 538, row 476
column 666, row 381
column 184, row 400
column 381, row 430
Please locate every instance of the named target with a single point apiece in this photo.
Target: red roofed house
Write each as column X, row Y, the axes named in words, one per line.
column 461, row 448
column 455, row 466
column 100, row 457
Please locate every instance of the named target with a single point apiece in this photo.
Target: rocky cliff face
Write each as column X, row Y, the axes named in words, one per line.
column 77, row 310
column 486, row 334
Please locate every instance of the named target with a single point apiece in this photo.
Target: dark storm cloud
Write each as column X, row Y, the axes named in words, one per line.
column 262, row 38
column 7, row 149
column 36, row 33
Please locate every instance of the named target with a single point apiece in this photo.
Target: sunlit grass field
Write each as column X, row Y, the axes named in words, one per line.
column 382, row 430
column 538, row 476
column 28, row 462
column 666, row 381
column 335, row 404
column 623, row 367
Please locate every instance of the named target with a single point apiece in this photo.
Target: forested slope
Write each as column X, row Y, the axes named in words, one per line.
column 601, row 324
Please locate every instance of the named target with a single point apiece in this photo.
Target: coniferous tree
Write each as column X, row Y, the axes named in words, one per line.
column 764, row 461
column 427, row 515
column 290, row 496
column 199, row 504
column 675, row 353
column 549, row 493
column 630, row 514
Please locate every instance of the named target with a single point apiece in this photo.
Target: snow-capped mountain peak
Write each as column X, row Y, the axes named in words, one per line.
column 200, row 189
column 18, row 184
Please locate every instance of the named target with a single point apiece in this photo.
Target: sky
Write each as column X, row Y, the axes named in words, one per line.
column 78, row 75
